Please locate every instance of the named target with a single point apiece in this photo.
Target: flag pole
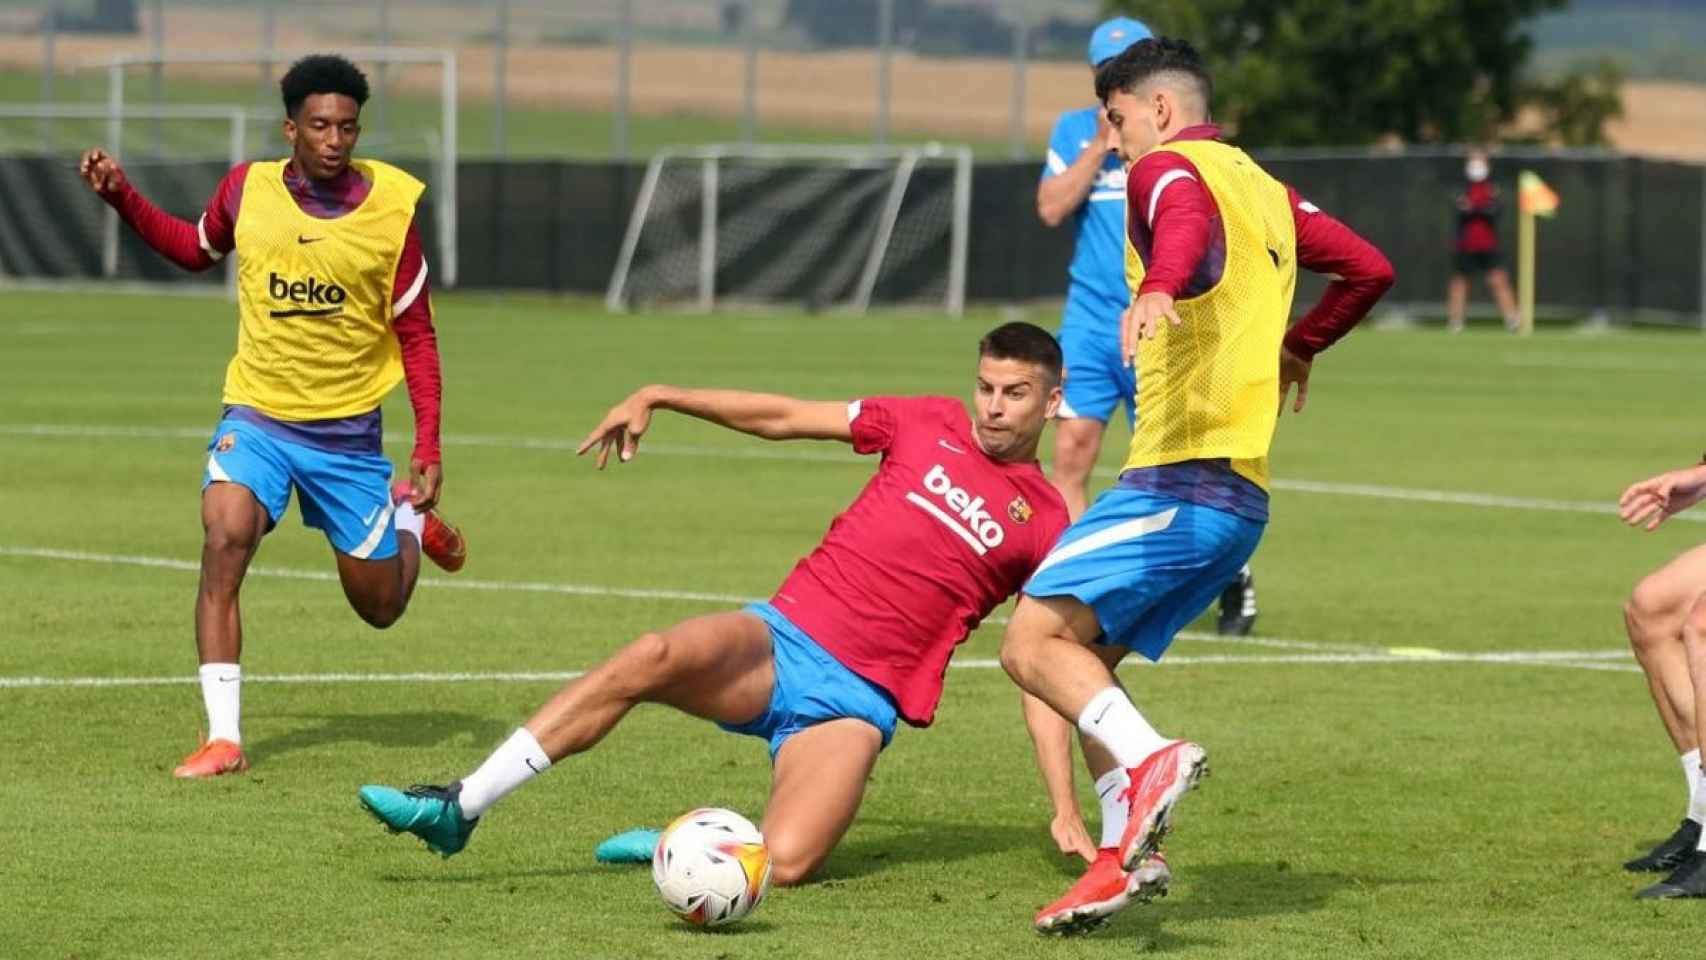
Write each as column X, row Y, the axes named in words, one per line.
column 1525, row 270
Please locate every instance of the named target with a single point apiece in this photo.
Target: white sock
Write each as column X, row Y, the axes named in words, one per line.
column 1696, row 796
column 510, row 765
column 1109, row 789
column 221, row 687
column 406, row 519
column 1111, row 718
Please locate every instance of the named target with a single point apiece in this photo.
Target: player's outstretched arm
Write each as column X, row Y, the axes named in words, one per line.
column 1051, row 736
column 176, row 239
column 1656, row 499
column 768, row 415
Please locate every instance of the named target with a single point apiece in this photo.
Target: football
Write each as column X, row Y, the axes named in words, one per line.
column 711, row 867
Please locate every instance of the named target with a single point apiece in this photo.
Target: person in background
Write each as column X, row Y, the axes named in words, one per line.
column 1477, row 245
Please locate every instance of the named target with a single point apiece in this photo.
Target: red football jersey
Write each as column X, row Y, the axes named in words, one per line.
column 937, row 539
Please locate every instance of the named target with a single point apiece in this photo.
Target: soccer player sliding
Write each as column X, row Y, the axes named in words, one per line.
column 333, row 310
column 859, row 636
column 1213, row 244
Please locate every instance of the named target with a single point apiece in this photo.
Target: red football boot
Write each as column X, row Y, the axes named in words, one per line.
column 1156, row 785
column 1103, row 891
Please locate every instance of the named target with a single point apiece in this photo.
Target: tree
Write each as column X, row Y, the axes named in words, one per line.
column 1576, row 107
column 1311, row 72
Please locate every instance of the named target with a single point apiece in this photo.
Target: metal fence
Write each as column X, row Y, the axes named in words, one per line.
column 612, row 78
column 1629, row 243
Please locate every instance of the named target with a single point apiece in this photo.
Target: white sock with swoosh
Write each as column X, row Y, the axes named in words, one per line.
column 406, row 519
column 1113, row 720
column 518, row 760
column 221, row 689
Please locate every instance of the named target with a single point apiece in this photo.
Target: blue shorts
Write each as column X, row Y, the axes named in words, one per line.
column 1097, row 379
column 1147, row 564
column 811, row 687
column 345, row 495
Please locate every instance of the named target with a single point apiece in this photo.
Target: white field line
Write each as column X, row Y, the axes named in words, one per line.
column 806, row 454
column 1310, row 652
column 1510, row 658
column 568, row 589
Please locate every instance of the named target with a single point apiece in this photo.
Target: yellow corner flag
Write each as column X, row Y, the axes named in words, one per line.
column 1534, row 196
column 1533, row 199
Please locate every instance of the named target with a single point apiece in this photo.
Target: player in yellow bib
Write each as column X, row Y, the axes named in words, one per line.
column 1213, row 245
column 333, row 312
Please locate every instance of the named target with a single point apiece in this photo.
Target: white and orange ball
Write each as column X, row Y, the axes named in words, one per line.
column 711, row 867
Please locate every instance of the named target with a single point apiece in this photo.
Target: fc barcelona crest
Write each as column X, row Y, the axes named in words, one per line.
column 1019, row 510
column 226, row 443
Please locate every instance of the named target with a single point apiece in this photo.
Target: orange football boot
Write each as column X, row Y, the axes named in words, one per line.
column 440, row 540
column 211, row 759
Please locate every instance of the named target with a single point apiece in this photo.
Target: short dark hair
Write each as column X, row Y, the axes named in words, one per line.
column 1023, row 341
column 321, row 73
column 1148, row 58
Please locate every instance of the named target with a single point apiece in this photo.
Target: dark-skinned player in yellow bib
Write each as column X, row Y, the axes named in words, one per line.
column 333, row 312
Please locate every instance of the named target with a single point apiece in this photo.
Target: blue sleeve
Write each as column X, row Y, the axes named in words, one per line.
column 1065, row 144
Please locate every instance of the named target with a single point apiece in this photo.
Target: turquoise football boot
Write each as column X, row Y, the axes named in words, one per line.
column 629, row 846
column 432, row 813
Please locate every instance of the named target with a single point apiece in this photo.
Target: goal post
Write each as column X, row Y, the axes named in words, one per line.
column 444, row 185
column 824, row 225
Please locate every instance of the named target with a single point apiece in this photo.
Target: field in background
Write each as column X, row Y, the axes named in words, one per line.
column 693, row 93
column 1442, row 746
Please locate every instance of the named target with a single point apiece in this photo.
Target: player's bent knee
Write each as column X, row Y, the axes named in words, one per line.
column 791, row 863
column 382, row 618
column 1075, row 448
column 1018, row 648
column 653, row 661
column 228, row 539
column 1648, row 611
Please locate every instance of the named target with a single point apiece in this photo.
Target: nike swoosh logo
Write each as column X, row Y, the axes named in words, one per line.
column 302, row 239
column 370, row 515
column 530, row 766
column 948, row 446
column 227, row 679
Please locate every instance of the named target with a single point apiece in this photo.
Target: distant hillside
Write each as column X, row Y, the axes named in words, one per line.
column 1652, row 39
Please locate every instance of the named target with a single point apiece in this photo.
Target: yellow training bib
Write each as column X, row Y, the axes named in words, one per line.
column 1209, row 388
column 314, row 337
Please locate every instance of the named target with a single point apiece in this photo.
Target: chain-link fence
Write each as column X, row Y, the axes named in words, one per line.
column 600, row 78
column 586, row 90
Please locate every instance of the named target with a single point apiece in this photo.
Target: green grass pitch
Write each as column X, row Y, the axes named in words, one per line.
column 1363, row 804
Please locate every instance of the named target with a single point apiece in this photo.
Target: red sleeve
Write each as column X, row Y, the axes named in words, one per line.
column 411, row 318
column 874, row 423
column 1172, row 217
column 1362, row 277
column 189, row 245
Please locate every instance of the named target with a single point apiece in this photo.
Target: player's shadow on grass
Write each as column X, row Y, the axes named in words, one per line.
column 895, row 842
column 415, row 729
column 1232, row 891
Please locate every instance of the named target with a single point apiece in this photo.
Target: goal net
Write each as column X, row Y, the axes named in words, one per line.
column 53, row 230
column 824, row 227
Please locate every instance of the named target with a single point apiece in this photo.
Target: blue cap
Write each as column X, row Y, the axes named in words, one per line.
column 1112, row 38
